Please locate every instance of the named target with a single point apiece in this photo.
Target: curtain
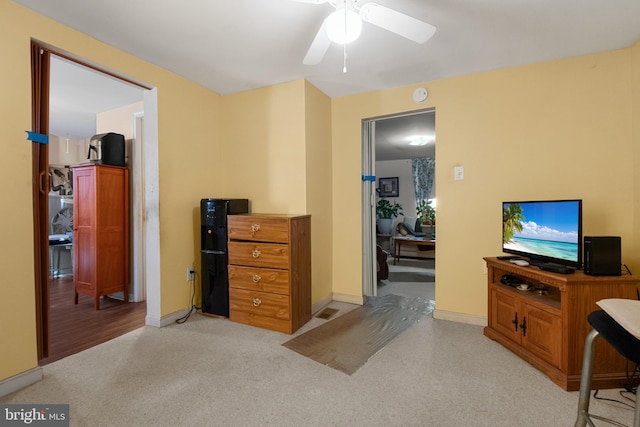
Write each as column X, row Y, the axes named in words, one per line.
column 423, row 170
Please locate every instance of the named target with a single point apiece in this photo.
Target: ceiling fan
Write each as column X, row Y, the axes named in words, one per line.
column 345, row 23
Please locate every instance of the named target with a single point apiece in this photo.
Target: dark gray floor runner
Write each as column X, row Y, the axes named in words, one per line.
column 348, row 341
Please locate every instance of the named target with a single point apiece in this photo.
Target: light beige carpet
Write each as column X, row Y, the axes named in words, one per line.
column 213, row 372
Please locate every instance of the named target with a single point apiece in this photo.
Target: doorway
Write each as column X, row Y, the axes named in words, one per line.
column 73, row 97
column 393, row 147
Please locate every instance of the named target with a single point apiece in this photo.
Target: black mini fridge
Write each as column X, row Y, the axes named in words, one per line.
column 213, row 249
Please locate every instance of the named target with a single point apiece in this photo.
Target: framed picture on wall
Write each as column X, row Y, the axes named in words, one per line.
column 388, row 187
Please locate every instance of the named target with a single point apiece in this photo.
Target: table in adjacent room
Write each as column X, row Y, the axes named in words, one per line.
column 399, row 242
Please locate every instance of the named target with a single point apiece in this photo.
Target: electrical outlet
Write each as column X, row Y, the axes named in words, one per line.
column 191, row 274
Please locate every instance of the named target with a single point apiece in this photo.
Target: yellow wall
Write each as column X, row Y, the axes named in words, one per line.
column 264, row 151
column 189, row 167
column 17, row 296
column 119, row 120
column 188, row 129
column 560, row 129
column 319, row 195
column 277, row 154
column 635, row 92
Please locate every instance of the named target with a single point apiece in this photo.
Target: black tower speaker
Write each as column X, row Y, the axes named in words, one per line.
column 602, row 256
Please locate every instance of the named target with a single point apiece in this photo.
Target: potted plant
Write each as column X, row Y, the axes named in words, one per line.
column 387, row 212
column 426, row 212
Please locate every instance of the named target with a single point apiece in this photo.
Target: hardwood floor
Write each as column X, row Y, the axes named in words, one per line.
column 74, row 328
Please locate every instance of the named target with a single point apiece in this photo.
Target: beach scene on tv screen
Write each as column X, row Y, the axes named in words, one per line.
column 549, row 228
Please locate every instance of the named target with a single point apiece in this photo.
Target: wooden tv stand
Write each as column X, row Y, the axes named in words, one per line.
column 548, row 328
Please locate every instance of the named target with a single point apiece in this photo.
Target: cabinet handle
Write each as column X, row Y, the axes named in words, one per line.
column 256, row 278
column 523, row 326
column 254, row 229
column 515, row 322
column 256, row 253
column 257, row 302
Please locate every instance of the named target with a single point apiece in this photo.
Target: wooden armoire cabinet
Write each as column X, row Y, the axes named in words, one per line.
column 100, row 231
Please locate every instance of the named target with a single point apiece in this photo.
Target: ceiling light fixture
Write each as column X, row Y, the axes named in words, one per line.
column 419, row 141
column 343, row 26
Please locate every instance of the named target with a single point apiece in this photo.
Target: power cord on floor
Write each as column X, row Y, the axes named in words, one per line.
column 630, row 388
column 622, row 394
column 193, row 308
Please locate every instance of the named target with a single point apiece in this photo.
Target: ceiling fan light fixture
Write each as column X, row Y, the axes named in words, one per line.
column 343, row 26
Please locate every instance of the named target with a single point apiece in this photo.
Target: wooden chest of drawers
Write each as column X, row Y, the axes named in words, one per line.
column 270, row 270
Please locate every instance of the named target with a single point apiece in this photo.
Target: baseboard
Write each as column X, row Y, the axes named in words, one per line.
column 161, row 322
column 20, row 381
column 351, row 299
column 315, row 308
column 460, row 317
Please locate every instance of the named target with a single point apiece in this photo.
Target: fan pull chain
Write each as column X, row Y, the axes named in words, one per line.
column 344, row 45
column 344, row 58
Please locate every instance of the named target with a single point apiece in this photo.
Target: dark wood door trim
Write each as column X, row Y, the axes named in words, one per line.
column 40, row 85
column 40, row 58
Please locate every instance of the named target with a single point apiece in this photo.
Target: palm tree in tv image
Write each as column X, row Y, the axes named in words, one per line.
column 511, row 221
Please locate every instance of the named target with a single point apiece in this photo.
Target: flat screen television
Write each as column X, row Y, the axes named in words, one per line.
column 545, row 231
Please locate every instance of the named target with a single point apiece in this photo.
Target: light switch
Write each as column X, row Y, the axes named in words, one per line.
column 458, row 173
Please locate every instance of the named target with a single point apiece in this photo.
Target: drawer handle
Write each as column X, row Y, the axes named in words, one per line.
column 256, row 278
column 257, row 302
column 256, row 253
column 254, row 229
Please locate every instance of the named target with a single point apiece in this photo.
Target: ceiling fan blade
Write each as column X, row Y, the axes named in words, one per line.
column 397, row 22
column 318, row 48
column 311, row 1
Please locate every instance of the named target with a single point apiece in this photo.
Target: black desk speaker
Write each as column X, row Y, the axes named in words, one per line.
column 602, row 255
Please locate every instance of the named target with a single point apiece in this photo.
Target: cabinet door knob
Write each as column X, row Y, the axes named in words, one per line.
column 256, row 253
column 256, row 278
column 257, row 302
column 254, row 229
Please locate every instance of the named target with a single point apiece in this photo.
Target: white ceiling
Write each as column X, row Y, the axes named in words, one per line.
column 235, row 45
column 392, row 136
column 77, row 94
column 231, row 46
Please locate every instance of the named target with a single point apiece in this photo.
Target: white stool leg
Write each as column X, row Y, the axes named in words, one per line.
column 636, row 415
column 585, row 379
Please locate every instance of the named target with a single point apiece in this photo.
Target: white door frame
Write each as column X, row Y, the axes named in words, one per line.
column 138, row 289
column 150, row 217
column 146, row 226
column 369, row 280
column 369, row 272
